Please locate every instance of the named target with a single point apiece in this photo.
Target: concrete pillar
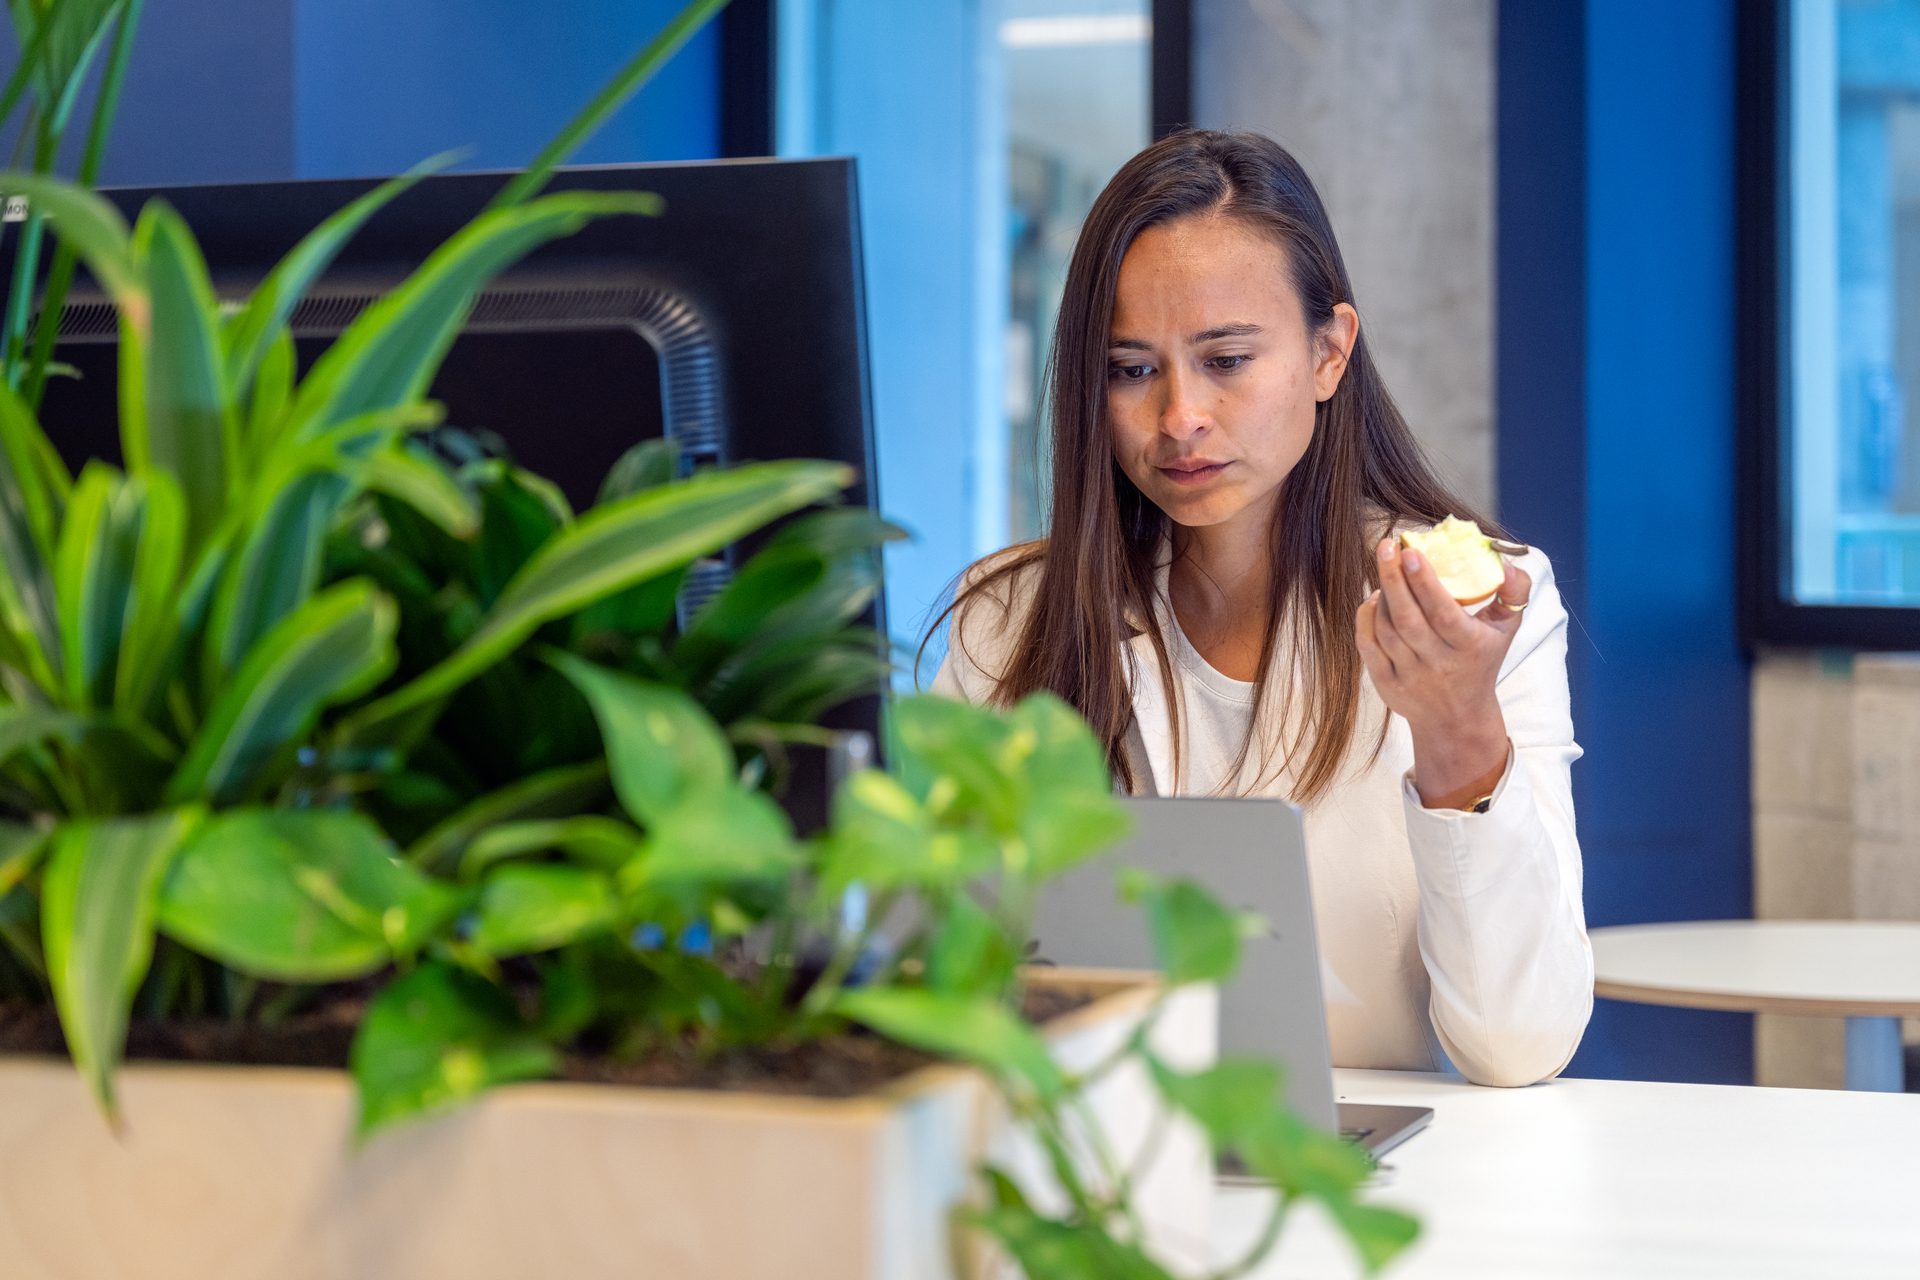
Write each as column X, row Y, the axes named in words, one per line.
column 1389, row 105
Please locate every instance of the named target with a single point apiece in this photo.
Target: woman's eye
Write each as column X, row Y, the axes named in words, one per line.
column 1130, row 372
column 1227, row 364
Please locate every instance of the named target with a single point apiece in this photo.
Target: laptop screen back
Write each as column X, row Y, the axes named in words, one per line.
column 1250, row 854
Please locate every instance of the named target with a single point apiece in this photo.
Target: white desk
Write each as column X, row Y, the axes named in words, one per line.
column 1616, row 1180
column 1867, row 971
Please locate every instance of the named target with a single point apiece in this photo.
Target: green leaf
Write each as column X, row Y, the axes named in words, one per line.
column 387, row 357
column 29, row 608
column 647, row 465
column 93, row 577
column 839, row 532
column 333, row 648
column 62, row 36
column 969, row 745
column 776, row 576
column 515, row 523
column 272, row 392
column 1196, row 939
column 716, row 838
column 971, row 954
column 20, row 849
column 1006, row 1192
column 275, row 570
column 97, row 906
column 436, row 1038
column 283, row 528
column 1229, row 1099
column 149, row 638
column 1237, row 1102
column 1047, row 1249
column 661, row 747
column 798, row 686
column 551, row 793
column 35, row 470
column 299, row 895
column 613, row 547
column 97, row 231
column 20, row 930
column 848, row 541
column 186, row 423
column 884, row 838
column 528, row 908
column 1061, row 753
column 40, row 362
column 643, row 610
column 1378, row 1234
column 604, row 842
column 23, row 727
column 1300, row 1159
column 983, row 1032
column 784, row 649
column 263, row 321
column 32, row 37
column 1064, row 828
column 414, row 476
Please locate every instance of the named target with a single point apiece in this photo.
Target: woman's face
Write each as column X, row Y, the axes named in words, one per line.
column 1212, row 377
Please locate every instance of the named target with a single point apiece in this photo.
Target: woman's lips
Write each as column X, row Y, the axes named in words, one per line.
column 1190, row 473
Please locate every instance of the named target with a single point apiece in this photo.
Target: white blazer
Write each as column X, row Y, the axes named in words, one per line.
column 1444, row 935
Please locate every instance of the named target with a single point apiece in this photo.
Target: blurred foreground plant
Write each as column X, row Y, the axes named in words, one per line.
column 301, row 702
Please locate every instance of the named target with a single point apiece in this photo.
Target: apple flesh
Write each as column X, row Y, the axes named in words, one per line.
column 1470, row 569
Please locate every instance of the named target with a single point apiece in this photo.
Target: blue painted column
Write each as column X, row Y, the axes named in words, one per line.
column 915, row 92
column 1617, row 455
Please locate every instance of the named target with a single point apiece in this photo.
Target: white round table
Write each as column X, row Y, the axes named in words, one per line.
column 1866, row 971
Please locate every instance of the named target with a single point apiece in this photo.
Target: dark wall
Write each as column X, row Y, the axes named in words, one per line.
column 1615, row 416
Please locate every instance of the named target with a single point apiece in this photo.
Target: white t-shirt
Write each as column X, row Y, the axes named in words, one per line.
column 1443, row 934
column 1216, row 711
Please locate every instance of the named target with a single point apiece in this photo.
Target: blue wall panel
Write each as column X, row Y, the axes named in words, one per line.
column 380, row 85
column 1641, row 462
column 910, row 91
column 208, row 96
column 259, row 90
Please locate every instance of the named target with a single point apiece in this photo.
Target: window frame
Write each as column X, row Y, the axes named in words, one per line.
column 1769, row 615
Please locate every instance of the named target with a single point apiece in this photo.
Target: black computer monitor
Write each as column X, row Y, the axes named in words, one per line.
column 734, row 323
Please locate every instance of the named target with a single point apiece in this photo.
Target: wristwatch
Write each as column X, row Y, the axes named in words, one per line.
column 1481, row 805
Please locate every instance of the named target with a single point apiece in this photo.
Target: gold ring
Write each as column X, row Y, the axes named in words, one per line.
column 1518, row 608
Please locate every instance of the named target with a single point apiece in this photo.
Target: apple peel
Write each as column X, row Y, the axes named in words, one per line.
column 1469, row 568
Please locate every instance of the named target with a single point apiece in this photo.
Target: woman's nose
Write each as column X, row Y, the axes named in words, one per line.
column 1184, row 414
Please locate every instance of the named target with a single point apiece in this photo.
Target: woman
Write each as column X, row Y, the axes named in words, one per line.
column 1223, row 598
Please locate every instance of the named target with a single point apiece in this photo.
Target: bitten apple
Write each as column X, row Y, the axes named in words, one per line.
column 1470, row 569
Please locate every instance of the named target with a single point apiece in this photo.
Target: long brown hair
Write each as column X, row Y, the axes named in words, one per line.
column 1362, row 472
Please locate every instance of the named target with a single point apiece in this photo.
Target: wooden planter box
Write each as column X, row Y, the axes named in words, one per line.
column 238, row 1173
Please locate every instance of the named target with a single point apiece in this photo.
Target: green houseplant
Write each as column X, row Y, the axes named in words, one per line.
column 60, row 42
column 235, row 675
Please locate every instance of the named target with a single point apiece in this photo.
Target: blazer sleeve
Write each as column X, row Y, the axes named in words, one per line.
column 1502, row 929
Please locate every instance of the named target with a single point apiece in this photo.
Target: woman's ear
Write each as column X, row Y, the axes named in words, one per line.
column 1336, row 348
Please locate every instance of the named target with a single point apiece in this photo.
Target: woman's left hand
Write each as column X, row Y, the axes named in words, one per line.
column 1435, row 664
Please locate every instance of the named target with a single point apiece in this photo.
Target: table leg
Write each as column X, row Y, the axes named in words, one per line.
column 1876, row 1062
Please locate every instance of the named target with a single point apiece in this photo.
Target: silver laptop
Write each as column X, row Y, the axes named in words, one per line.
column 1252, row 855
